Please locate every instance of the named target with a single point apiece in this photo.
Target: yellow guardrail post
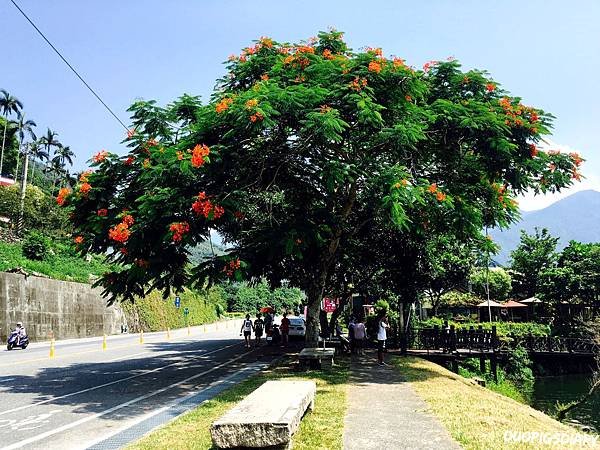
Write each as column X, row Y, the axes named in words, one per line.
column 141, row 336
column 52, row 348
column 104, row 343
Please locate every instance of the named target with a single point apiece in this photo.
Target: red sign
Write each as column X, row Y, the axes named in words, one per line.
column 330, row 304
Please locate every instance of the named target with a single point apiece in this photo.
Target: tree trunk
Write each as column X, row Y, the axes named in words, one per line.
column 314, row 296
column 3, row 143
column 20, row 222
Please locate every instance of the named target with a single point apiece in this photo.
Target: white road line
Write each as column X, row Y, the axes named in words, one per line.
column 141, row 419
column 93, row 388
column 116, row 408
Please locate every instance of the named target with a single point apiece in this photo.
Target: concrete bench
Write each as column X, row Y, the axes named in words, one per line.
column 266, row 418
column 323, row 357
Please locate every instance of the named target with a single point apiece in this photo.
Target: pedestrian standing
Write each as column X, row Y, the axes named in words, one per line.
column 285, row 329
column 247, row 330
column 258, row 329
column 381, row 337
column 360, row 333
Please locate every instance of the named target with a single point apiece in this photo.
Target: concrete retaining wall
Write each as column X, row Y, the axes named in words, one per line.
column 62, row 308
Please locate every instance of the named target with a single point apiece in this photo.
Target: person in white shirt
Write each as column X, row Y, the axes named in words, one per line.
column 247, row 329
column 382, row 327
column 360, row 333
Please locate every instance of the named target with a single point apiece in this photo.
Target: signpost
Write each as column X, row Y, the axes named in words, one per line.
column 177, row 302
column 330, row 304
column 186, row 311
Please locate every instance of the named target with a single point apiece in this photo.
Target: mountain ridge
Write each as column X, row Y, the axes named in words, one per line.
column 576, row 217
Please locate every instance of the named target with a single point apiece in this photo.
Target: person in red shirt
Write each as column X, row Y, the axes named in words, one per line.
column 285, row 329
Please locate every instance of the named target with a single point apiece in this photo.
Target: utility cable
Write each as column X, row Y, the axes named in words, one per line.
column 69, row 65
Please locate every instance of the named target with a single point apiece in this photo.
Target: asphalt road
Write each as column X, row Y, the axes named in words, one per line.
column 86, row 394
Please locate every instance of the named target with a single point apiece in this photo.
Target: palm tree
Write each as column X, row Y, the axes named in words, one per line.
column 8, row 105
column 24, row 127
column 62, row 156
column 37, row 152
column 49, row 141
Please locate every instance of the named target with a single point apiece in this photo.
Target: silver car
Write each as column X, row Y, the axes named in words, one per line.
column 297, row 326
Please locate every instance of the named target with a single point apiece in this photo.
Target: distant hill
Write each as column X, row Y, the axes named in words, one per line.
column 203, row 251
column 576, row 217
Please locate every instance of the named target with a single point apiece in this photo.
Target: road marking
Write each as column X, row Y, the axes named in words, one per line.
column 6, row 380
column 68, row 355
column 117, row 407
column 93, row 388
column 253, row 368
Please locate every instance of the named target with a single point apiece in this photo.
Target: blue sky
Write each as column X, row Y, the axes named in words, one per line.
column 548, row 52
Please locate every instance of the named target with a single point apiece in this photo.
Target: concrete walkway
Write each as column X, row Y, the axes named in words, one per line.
column 384, row 412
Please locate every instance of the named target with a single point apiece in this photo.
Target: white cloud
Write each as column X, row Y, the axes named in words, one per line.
column 531, row 202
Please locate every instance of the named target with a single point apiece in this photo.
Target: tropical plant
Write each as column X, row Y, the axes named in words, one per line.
column 24, row 129
column 8, row 105
column 37, row 152
column 301, row 147
column 536, row 252
column 496, row 280
column 50, row 142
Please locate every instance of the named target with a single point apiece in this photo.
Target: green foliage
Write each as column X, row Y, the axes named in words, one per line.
column 469, row 368
column 381, row 307
column 303, row 150
column 61, row 263
column 518, row 367
column 499, row 283
column 504, row 329
column 40, row 210
column 457, row 298
column 35, row 246
column 153, row 313
column 535, row 254
column 11, row 149
column 244, row 297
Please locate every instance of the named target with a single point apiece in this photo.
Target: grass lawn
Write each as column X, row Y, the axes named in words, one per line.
column 320, row 429
column 62, row 264
column 475, row 416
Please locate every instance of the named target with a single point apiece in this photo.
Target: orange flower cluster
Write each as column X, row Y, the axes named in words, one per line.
column 102, row 212
column 179, row 155
column 223, row 105
column 100, row 156
column 85, row 188
column 408, row 98
column 78, row 240
column 120, row 232
column 433, row 188
column 84, row 177
column 198, row 154
column 256, row 117
column 358, row 83
column 375, row 66
column 231, row 267
column 266, row 42
column 62, row 196
column 376, row 51
column 428, row 65
column 398, row 62
column 264, row 77
column 203, row 206
column 401, row 184
column 129, row 161
column 327, row 54
column 179, row 229
column 325, row 109
column 490, row 87
column 250, row 104
column 128, row 220
column 577, row 160
column 146, row 163
column 533, row 150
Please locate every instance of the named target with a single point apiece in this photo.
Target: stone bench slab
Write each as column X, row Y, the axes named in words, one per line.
column 267, row 417
column 324, row 356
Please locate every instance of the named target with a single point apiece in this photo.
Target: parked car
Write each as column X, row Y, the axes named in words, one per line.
column 297, row 326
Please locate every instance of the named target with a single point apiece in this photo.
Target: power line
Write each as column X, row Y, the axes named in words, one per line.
column 69, row 65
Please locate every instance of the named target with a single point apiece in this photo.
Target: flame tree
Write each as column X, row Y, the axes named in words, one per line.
column 300, row 149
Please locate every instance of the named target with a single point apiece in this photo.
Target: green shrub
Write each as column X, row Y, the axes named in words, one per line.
column 518, row 367
column 35, row 246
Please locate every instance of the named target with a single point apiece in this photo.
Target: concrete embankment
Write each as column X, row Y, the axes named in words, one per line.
column 51, row 308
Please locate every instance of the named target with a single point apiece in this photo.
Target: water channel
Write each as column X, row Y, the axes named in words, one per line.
column 548, row 390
